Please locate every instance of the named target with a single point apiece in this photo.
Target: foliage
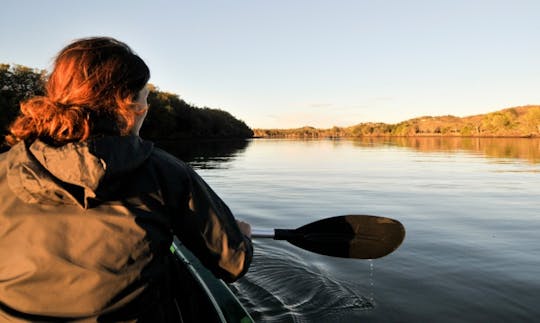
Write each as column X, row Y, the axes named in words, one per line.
column 532, row 120
column 17, row 83
column 169, row 117
column 500, row 121
column 513, row 122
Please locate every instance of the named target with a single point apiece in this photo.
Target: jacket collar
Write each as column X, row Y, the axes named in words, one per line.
column 39, row 172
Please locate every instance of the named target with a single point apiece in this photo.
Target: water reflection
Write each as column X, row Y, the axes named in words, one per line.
column 205, row 154
column 212, row 154
column 516, row 148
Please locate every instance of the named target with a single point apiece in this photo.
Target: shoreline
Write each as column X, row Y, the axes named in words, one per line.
column 530, row 136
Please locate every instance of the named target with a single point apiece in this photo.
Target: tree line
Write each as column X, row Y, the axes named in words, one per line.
column 513, row 122
column 169, row 116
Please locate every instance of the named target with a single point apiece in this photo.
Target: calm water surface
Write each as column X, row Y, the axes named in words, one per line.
column 471, row 208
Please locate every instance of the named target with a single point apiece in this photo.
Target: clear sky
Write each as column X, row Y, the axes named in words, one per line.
column 290, row 63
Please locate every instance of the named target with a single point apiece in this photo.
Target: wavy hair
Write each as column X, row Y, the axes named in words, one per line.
column 91, row 90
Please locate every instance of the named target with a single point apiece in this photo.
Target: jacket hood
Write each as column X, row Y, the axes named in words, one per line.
column 46, row 174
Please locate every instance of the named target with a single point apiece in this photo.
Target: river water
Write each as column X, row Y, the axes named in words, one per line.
column 471, row 209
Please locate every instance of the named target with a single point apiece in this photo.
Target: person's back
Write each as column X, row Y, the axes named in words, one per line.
column 88, row 208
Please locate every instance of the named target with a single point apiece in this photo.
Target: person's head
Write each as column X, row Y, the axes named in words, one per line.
column 97, row 86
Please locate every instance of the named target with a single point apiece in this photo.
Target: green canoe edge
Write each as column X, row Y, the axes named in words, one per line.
column 227, row 306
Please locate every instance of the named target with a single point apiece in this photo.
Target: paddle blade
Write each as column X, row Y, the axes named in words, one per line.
column 348, row 236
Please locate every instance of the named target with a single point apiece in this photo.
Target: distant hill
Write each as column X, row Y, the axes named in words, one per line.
column 521, row 121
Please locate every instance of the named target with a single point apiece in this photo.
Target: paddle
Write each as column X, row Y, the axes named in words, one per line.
column 348, row 236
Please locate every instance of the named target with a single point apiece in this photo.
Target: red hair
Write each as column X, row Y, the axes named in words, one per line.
column 91, row 90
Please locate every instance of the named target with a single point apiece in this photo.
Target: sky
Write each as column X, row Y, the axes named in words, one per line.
column 293, row 63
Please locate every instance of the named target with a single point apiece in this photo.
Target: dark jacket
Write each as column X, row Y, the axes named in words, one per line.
column 85, row 230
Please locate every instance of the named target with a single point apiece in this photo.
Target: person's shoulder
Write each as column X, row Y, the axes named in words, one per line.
column 3, row 155
column 170, row 164
column 163, row 157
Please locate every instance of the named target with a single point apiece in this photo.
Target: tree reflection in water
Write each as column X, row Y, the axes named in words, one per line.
column 205, row 154
column 513, row 148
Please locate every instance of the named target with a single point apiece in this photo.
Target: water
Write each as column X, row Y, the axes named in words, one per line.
column 471, row 209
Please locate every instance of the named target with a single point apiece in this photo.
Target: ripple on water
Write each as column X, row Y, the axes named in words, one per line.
column 281, row 288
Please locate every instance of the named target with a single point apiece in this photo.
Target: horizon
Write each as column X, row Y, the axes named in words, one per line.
column 285, row 65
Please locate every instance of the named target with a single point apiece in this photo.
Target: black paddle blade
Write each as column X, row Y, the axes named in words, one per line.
column 348, row 236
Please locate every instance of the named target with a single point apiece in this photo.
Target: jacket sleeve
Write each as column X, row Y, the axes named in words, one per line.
column 209, row 230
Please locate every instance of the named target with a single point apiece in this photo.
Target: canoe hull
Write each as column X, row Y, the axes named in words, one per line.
column 205, row 298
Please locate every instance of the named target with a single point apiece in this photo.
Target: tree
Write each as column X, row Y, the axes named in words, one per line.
column 532, row 119
column 500, row 122
column 17, row 83
column 169, row 117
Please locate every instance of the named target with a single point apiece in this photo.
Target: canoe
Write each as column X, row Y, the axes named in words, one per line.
column 205, row 298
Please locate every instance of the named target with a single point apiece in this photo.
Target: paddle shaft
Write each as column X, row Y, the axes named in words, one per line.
column 276, row 234
column 263, row 233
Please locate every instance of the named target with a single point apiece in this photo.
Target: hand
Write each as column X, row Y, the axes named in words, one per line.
column 245, row 228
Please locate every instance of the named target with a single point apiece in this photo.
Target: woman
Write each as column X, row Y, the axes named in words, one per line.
column 88, row 208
